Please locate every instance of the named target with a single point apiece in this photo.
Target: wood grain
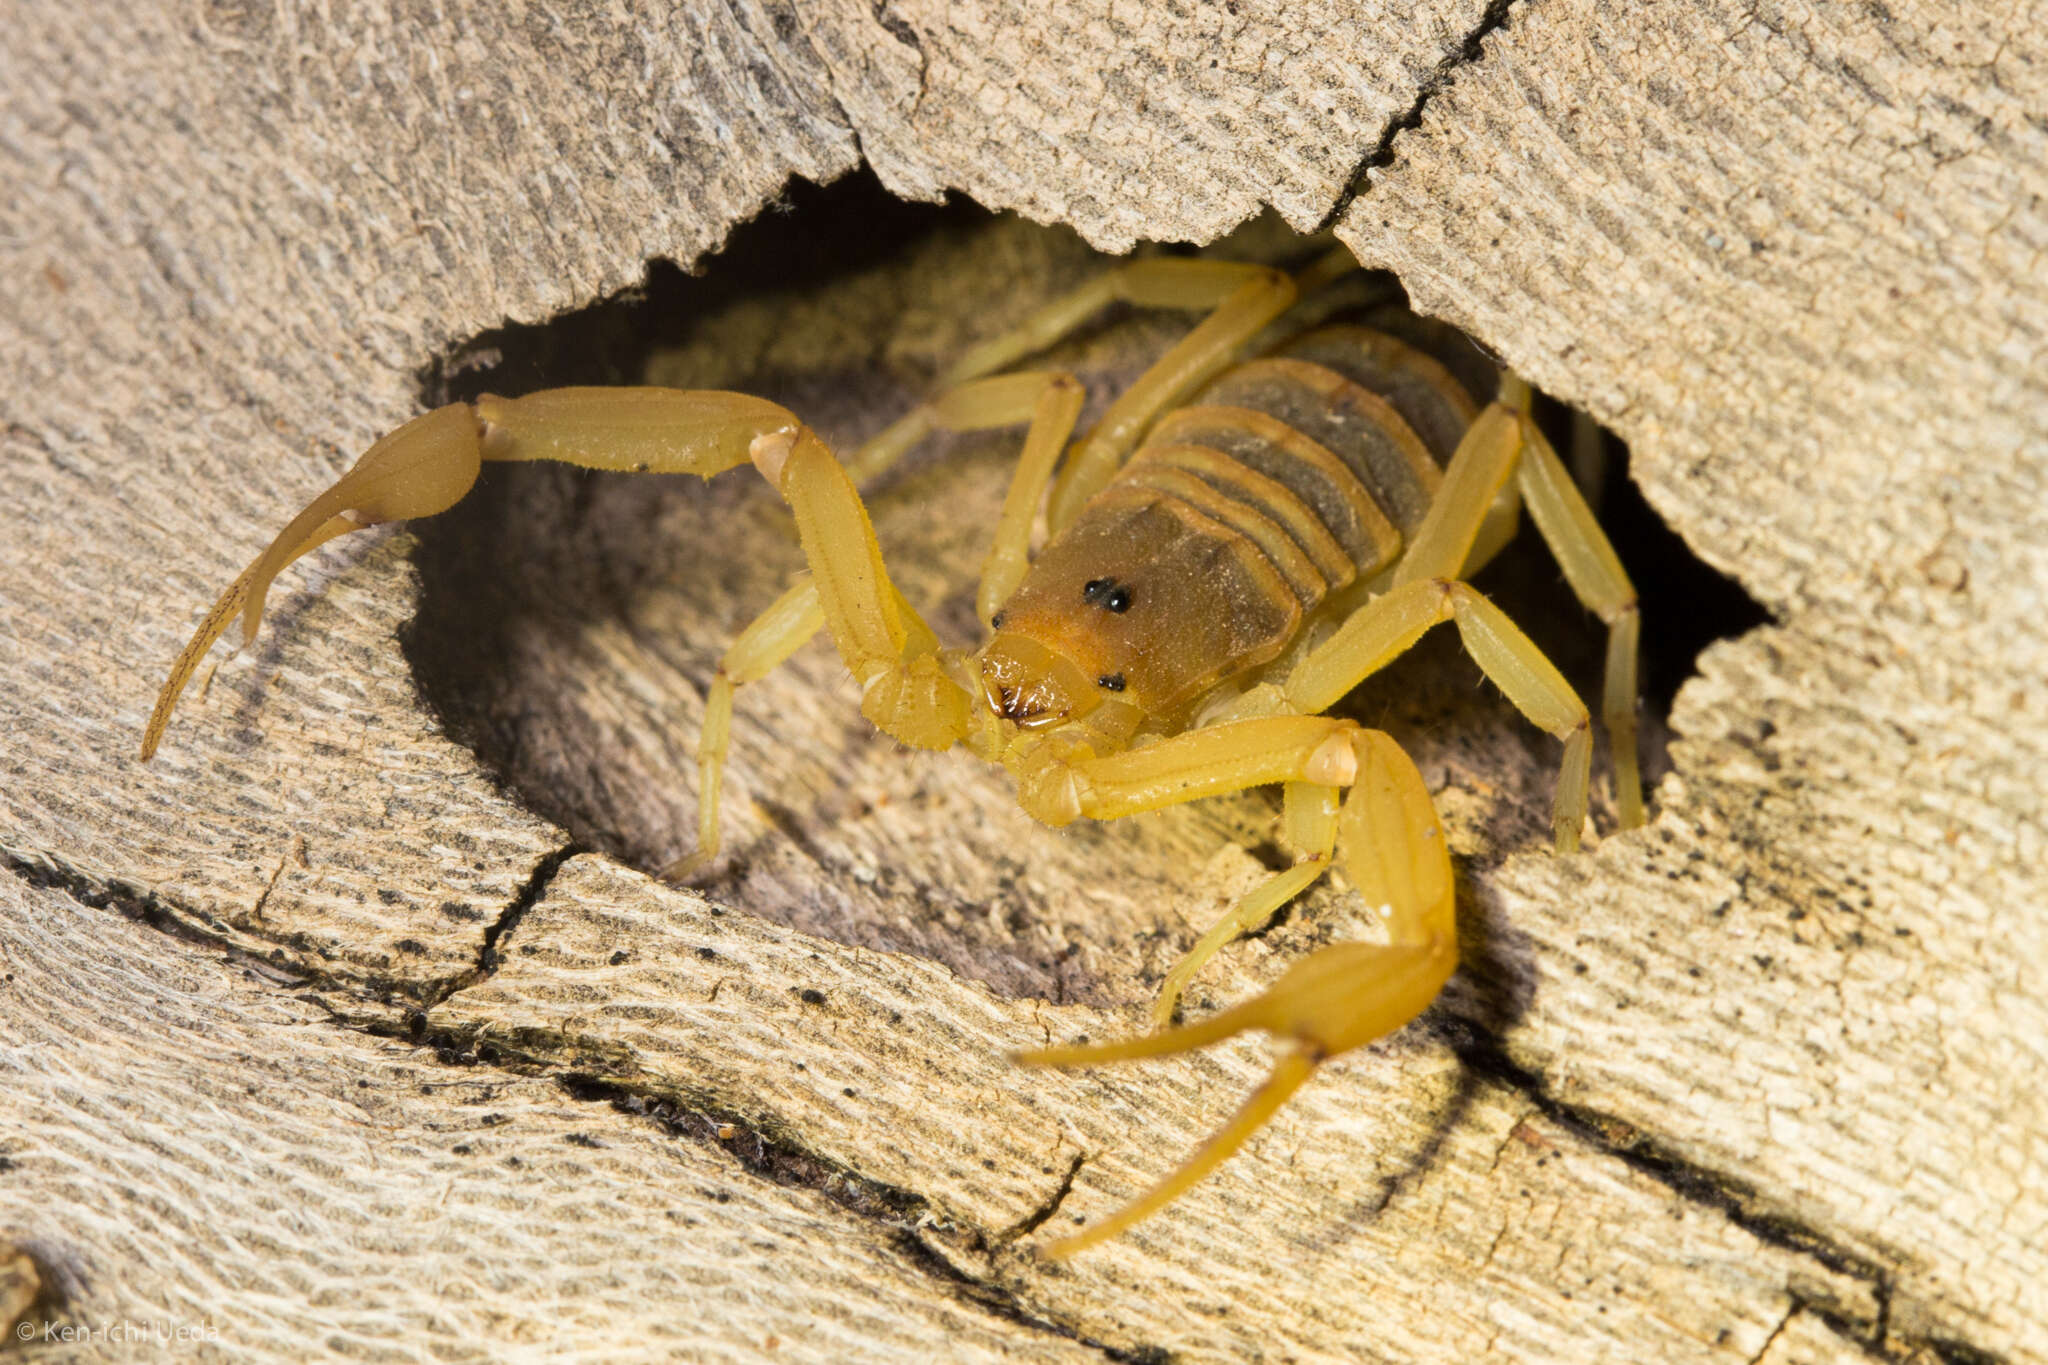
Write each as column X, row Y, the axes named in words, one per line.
column 1756, row 1083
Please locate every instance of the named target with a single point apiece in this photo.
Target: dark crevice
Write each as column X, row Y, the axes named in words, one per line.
column 284, row 963
column 126, row 900
column 1953, row 1352
column 1468, row 51
column 1005, row 1305
column 488, row 958
column 909, row 1222
column 1734, row 1200
column 488, row 955
column 1036, row 1219
column 775, row 1159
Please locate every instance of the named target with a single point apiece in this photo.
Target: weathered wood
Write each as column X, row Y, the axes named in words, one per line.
column 196, row 1151
column 1756, row 1080
column 1809, row 293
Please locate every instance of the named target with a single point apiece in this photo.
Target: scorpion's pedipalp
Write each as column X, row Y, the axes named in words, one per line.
column 890, row 650
column 1337, row 998
column 428, row 464
column 225, row 609
column 422, row 468
column 1290, row 1073
column 1217, row 760
column 643, row 430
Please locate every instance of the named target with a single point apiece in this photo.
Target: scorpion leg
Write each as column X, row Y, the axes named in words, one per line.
column 1337, row 998
column 1602, row 586
column 1050, row 400
column 1241, row 298
column 1386, row 626
column 1245, row 298
column 1505, row 442
column 1309, row 823
column 762, row 647
column 1154, row 282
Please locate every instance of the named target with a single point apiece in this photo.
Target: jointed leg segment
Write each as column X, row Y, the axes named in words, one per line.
column 1050, row 400
column 1309, row 824
column 762, row 647
column 1503, row 444
column 1595, row 573
column 1335, row 999
column 1240, row 298
column 1385, row 628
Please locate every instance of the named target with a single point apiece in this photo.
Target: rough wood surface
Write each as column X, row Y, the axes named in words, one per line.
column 1761, row 1082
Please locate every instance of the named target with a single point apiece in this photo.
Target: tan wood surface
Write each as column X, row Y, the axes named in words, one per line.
column 326, row 1036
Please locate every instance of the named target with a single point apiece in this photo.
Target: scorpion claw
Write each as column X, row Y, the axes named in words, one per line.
column 423, row 467
column 1335, row 999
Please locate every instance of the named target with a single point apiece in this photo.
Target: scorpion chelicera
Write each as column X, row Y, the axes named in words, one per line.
column 1232, row 548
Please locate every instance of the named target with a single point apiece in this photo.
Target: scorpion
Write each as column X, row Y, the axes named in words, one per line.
column 1234, row 546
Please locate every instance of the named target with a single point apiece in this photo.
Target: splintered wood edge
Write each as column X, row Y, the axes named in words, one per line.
column 74, row 793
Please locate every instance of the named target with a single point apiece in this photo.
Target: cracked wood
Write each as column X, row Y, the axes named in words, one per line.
column 1790, row 251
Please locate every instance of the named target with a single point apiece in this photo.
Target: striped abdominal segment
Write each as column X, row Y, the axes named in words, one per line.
column 1323, row 456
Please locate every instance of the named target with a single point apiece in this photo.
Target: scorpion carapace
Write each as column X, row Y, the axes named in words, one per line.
column 1234, row 546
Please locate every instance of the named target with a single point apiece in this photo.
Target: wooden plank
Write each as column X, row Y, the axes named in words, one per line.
column 229, row 265
column 1807, row 293
column 198, row 1160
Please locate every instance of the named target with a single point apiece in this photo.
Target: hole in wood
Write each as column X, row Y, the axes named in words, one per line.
column 570, row 621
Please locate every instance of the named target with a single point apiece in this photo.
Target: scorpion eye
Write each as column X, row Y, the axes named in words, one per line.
column 1111, row 682
column 1106, row 593
column 996, row 622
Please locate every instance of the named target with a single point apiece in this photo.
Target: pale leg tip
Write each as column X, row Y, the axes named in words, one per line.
column 686, row 868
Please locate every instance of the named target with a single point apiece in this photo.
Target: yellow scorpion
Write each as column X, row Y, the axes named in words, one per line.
column 1232, row 548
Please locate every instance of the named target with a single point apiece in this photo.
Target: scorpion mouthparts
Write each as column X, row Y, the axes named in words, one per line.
column 1029, row 685
column 1015, row 703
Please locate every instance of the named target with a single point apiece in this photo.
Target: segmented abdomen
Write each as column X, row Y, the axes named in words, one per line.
column 1322, row 457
